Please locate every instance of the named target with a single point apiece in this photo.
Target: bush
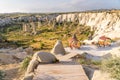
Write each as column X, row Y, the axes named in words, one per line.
column 96, row 62
column 25, row 63
column 13, row 28
column 33, row 41
column 112, row 66
column 89, row 62
column 2, row 37
column 41, row 45
column 2, row 75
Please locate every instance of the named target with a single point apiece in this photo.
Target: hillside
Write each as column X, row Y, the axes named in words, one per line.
column 39, row 32
column 103, row 23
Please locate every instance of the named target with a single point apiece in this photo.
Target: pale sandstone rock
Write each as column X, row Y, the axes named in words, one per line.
column 102, row 22
column 58, row 48
column 38, row 57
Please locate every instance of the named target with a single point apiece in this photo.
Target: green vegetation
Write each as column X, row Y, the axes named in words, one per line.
column 41, row 45
column 2, row 75
column 90, row 62
column 112, row 66
column 15, row 27
column 2, row 37
column 25, row 63
column 46, row 36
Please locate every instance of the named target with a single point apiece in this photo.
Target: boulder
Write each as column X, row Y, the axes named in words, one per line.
column 29, row 51
column 38, row 57
column 58, row 48
column 44, row 57
column 20, row 49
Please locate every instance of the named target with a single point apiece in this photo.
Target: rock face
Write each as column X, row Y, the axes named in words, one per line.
column 58, row 48
column 103, row 23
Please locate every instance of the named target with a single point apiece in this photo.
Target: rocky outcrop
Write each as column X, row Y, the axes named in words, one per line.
column 38, row 57
column 29, row 51
column 103, row 23
column 58, row 48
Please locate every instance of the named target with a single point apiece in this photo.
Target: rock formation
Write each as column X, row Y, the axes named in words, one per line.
column 29, row 51
column 39, row 24
column 58, row 48
column 38, row 57
column 107, row 23
column 34, row 31
column 26, row 27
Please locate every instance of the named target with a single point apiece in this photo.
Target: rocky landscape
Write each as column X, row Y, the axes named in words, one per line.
column 103, row 23
column 39, row 32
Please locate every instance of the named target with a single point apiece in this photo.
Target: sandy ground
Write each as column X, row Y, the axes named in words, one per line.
column 9, row 66
column 94, row 52
column 11, row 71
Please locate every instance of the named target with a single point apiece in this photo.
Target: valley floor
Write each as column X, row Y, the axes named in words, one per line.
column 94, row 52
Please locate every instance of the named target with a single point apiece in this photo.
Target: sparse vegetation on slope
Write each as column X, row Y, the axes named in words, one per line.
column 112, row 66
column 91, row 63
column 2, row 75
column 25, row 63
column 46, row 36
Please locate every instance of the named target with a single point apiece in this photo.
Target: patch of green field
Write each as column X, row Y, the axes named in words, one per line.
column 46, row 37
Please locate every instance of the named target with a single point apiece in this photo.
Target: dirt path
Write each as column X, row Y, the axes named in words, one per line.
column 11, row 71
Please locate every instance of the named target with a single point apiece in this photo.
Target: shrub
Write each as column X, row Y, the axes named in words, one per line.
column 25, row 63
column 2, row 37
column 112, row 66
column 89, row 62
column 41, row 45
column 33, row 41
column 82, row 61
column 13, row 28
column 96, row 62
column 2, row 75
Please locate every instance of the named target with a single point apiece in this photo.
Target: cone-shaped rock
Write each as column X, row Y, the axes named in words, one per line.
column 58, row 48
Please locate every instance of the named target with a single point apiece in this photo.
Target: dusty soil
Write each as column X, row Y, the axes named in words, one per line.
column 11, row 71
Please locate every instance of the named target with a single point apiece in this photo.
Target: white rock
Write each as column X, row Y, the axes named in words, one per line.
column 58, row 48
